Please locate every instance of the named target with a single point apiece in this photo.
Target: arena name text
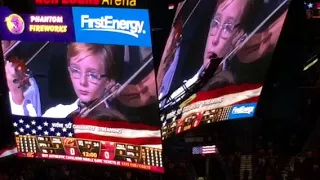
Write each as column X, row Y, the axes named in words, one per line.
column 47, row 24
column 120, row 3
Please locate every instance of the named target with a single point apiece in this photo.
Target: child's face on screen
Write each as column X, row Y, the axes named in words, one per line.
column 224, row 27
column 85, row 73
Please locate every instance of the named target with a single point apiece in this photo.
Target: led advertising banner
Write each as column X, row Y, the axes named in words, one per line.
column 234, row 38
column 82, row 85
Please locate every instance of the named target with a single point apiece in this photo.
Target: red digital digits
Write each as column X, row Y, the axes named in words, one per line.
column 107, row 150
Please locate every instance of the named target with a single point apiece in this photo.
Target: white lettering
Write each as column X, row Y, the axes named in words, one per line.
column 110, row 162
column 108, row 23
column 56, row 156
column 205, row 103
column 46, row 19
column 87, row 159
column 242, row 110
column 42, row 145
column 70, row 157
column 57, row 125
column 56, row 140
column 97, row 129
column 44, row 155
column 98, row 160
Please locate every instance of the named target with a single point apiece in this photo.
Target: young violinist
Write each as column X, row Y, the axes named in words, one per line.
column 224, row 32
column 31, row 94
column 91, row 72
column 226, row 27
column 249, row 65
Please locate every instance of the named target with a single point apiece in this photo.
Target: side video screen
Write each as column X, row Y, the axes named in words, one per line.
column 82, row 86
column 235, row 38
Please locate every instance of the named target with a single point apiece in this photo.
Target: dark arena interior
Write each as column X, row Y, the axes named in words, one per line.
column 280, row 141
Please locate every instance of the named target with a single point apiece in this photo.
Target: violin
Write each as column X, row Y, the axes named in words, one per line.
column 23, row 74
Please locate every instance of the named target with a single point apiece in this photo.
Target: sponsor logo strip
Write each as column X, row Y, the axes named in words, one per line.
column 112, row 26
column 49, row 24
column 242, row 111
column 78, row 24
column 222, row 101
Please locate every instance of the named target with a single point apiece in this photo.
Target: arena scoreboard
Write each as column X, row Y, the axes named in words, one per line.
column 82, row 150
column 196, row 119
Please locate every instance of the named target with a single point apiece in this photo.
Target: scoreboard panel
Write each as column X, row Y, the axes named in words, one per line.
column 103, row 152
column 196, row 119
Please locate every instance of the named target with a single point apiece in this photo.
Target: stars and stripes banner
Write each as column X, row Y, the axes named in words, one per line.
column 43, row 126
column 8, row 152
column 204, row 150
column 309, row 5
column 131, row 133
column 223, row 97
column 312, row 5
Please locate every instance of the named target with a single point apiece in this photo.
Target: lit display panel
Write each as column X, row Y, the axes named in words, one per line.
column 80, row 83
column 234, row 38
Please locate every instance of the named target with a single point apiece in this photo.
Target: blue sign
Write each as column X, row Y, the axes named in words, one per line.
column 112, row 26
column 242, row 111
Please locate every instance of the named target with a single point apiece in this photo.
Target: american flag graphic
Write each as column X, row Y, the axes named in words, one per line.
column 43, row 126
column 233, row 94
column 8, row 151
column 204, row 150
column 312, row 5
column 131, row 133
column 223, row 97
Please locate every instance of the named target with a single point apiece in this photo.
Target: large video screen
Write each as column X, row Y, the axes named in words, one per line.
column 82, row 86
column 235, row 38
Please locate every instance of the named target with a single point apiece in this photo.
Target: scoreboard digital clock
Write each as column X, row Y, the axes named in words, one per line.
column 101, row 152
column 194, row 120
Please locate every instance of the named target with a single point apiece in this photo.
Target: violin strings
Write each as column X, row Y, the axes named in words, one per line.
column 104, row 94
column 87, row 111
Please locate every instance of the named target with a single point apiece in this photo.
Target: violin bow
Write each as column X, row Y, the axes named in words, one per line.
column 31, row 58
column 86, row 111
column 11, row 48
column 35, row 54
column 189, row 16
column 245, row 38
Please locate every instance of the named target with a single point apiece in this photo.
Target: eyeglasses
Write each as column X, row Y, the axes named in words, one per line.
column 227, row 28
column 93, row 77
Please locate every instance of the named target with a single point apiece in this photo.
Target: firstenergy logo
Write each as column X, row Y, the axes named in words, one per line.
column 109, row 24
column 243, row 110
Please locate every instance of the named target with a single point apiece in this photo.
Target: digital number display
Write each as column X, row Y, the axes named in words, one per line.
column 102, row 152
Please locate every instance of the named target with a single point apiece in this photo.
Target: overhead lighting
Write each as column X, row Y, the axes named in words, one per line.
column 312, row 61
column 311, row 64
column 171, row 6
